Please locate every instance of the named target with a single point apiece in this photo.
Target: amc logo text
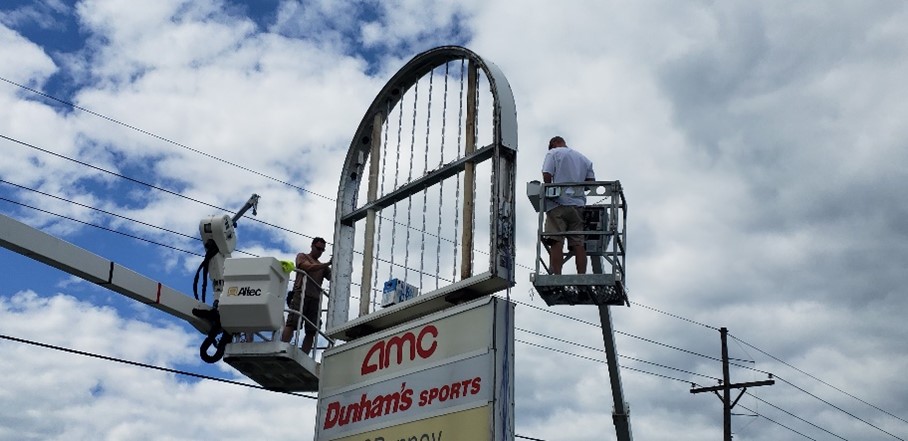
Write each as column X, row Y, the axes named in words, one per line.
column 422, row 344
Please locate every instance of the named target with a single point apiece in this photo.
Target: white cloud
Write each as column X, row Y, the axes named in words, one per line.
column 760, row 147
column 32, row 65
column 124, row 402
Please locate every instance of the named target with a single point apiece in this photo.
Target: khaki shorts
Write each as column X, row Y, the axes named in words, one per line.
column 564, row 218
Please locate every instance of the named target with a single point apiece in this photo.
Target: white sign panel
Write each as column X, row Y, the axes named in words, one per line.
column 466, row 425
column 440, row 364
column 418, row 345
column 459, row 385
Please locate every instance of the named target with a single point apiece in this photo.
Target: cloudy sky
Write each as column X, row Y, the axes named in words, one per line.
column 761, row 146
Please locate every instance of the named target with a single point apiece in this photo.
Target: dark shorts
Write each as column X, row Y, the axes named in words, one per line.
column 310, row 311
column 564, row 218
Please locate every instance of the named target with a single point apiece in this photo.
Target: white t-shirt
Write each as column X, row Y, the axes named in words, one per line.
column 567, row 165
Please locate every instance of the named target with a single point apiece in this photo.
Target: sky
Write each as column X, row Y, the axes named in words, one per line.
column 761, row 146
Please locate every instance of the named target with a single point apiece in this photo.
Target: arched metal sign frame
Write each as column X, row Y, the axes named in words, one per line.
column 502, row 152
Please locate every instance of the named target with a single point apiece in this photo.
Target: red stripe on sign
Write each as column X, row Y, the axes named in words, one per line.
column 158, row 300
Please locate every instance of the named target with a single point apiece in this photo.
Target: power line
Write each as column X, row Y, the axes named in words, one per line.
column 158, row 137
column 584, row 357
column 110, row 214
column 153, row 135
column 189, row 252
column 161, row 138
column 739, row 365
column 620, row 355
column 817, row 379
column 515, row 301
column 520, row 341
column 189, row 198
column 626, row 334
column 174, row 371
column 208, row 155
column 237, row 383
column 775, row 422
column 674, row 316
column 101, row 227
column 301, row 234
column 145, row 365
column 224, row 161
column 178, row 144
column 794, row 416
column 130, row 235
column 836, row 407
column 520, row 329
column 103, row 170
column 688, row 372
column 97, row 209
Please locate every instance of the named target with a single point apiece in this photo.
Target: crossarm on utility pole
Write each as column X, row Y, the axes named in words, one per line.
column 727, row 386
column 733, row 386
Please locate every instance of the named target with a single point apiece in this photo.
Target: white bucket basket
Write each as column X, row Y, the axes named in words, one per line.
column 254, row 293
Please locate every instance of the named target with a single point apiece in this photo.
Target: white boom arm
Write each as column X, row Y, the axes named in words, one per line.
column 38, row 245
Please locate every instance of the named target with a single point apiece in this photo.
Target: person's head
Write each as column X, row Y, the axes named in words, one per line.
column 556, row 141
column 318, row 247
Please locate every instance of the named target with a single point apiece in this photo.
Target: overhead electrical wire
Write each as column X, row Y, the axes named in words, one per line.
column 153, row 135
column 584, row 357
column 629, row 368
column 523, row 330
column 795, row 416
column 775, row 422
column 208, row 155
column 101, row 227
column 140, row 182
column 285, row 229
column 739, row 365
column 519, row 341
column 23, row 187
column 109, row 214
column 158, row 137
column 173, row 371
column 835, row 407
column 673, row 315
column 816, row 378
column 579, row 345
column 103, row 170
column 693, row 373
column 626, row 334
column 130, row 235
column 253, row 386
column 145, row 365
column 512, row 300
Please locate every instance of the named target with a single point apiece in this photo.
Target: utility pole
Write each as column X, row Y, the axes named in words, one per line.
column 727, row 386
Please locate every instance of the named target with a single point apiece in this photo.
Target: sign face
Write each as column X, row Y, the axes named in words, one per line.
column 466, row 425
column 439, row 375
column 417, row 346
column 464, row 383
